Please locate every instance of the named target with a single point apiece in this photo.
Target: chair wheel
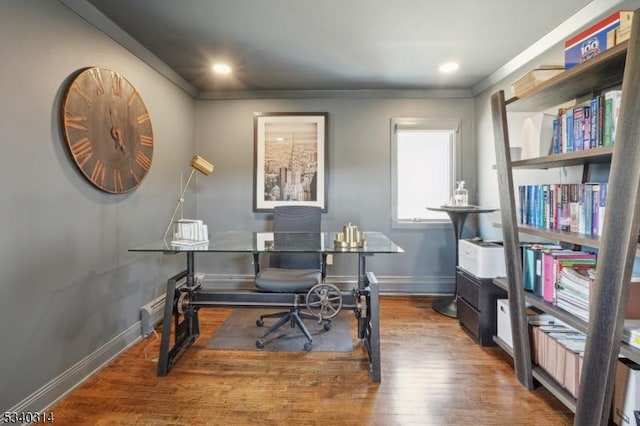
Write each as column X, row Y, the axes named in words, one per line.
column 327, row 325
column 307, row 346
column 259, row 323
column 260, row 344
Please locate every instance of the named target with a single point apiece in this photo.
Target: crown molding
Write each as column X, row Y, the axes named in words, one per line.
column 332, row 94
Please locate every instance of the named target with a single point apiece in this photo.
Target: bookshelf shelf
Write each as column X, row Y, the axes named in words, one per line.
column 601, row 72
column 618, row 244
column 503, row 345
column 556, row 390
column 578, row 158
column 566, row 236
column 626, row 350
column 539, row 303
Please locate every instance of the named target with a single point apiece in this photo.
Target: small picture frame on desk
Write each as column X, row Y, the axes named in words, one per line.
column 290, row 160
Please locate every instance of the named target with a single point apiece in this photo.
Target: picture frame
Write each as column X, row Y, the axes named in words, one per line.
column 290, row 159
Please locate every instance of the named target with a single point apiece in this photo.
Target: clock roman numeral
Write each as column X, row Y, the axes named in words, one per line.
column 97, row 79
column 143, row 161
column 135, row 177
column 146, row 141
column 142, row 118
column 75, row 121
column 82, row 151
column 116, row 84
column 98, row 172
column 132, row 98
column 117, row 181
column 80, row 92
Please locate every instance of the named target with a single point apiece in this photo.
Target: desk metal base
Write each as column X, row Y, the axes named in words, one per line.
column 446, row 306
column 182, row 305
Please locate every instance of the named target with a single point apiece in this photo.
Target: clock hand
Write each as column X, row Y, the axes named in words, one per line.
column 116, row 132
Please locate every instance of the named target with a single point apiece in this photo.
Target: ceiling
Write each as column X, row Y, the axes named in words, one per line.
column 300, row 45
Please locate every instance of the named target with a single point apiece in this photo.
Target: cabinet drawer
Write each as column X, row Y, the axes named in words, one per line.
column 468, row 289
column 469, row 318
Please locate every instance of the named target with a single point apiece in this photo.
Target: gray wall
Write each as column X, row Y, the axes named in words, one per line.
column 68, row 283
column 359, row 180
column 69, row 286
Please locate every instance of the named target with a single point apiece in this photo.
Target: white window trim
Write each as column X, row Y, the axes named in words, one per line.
column 443, row 123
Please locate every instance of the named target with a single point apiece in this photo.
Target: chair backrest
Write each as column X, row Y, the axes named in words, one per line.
column 296, row 219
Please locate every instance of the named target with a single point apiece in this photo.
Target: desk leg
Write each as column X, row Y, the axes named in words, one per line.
column 362, row 291
column 369, row 327
column 185, row 332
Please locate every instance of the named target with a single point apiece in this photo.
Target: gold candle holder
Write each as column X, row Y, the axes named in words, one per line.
column 350, row 237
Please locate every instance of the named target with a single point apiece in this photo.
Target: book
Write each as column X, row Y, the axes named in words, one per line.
column 578, row 128
column 602, row 206
column 569, row 138
column 611, row 112
column 532, row 266
column 550, row 266
column 534, row 77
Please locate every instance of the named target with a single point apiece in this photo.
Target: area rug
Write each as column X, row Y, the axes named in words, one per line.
column 239, row 331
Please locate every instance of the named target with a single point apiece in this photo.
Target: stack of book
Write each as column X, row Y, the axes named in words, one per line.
column 543, row 265
column 574, row 207
column 559, row 350
column 535, row 77
column 589, row 125
column 574, row 290
column 189, row 232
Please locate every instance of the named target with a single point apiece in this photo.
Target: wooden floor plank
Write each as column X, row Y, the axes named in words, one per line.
column 432, row 374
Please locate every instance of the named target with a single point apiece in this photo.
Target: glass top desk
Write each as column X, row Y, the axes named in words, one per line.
column 183, row 301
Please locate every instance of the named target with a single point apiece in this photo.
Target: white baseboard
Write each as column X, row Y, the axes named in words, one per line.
column 57, row 388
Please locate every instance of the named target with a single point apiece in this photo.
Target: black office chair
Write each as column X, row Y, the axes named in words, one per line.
column 295, row 273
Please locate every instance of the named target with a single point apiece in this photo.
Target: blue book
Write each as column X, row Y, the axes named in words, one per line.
column 570, row 137
column 602, row 206
column 578, row 131
column 588, row 207
column 586, row 128
column 595, row 205
column 556, row 136
column 529, row 268
column 593, row 122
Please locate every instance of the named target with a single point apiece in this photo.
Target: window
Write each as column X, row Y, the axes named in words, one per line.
column 424, row 157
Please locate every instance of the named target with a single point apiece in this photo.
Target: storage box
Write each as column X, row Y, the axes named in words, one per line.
column 626, row 396
column 504, row 321
column 484, row 259
column 593, row 41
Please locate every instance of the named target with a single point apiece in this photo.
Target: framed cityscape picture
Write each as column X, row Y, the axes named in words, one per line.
column 290, row 159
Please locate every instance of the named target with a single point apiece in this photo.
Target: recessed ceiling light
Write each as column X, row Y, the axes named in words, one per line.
column 449, row 67
column 220, row 68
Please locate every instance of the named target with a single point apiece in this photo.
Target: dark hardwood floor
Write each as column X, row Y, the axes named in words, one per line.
column 432, row 374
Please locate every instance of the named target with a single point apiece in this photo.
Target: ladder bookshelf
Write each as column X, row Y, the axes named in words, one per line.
column 619, row 241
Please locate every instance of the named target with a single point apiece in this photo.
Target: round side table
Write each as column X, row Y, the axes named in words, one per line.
column 458, row 214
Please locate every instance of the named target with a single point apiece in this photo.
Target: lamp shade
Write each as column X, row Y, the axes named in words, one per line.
column 202, row 165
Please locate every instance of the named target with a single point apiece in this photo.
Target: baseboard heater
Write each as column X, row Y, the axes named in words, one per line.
column 152, row 313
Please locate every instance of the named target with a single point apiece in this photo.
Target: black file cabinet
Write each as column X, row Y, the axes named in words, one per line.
column 477, row 306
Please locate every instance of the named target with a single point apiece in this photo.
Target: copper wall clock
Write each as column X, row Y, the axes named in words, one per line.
column 107, row 129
